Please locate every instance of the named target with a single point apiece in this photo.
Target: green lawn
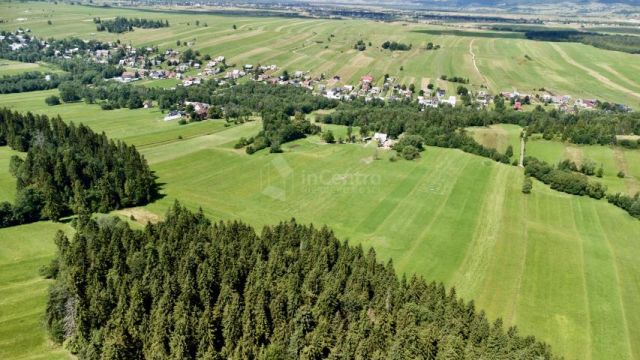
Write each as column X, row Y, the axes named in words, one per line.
column 23, row 292
column 7, row 181
column 498, row 137
column 8, row 67
column 613, row 159
column 326, row 46
column 559, row 267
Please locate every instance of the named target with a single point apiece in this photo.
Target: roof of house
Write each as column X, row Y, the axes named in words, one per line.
column 367, row 78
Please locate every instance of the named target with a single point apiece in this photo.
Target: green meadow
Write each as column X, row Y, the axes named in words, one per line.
column 8, row 67
column 613, row 159
column 560, row 267
column 493, row 59
column 498, row 137
column 23, row 292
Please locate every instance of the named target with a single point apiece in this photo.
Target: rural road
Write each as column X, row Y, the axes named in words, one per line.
column 522, row 144
column 473, row 58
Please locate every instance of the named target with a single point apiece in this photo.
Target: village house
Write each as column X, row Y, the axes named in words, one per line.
column 173, row 115
column 517, row 106
column 380, row 138
column 235, row 74
column 366, row 81
column 200, row 108
column 586, row 103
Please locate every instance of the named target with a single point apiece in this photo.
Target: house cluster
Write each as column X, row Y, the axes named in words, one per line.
column 261, row 72
column 16, row 40
column 200, row 109
column 439, row 99
column 383, row 140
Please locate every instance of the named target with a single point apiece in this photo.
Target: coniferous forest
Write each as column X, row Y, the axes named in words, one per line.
column 69, row 169
column 191, row 289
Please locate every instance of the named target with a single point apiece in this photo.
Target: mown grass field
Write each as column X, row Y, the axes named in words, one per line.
column 23, row 292
column 326, row 46
column 140, row 127
column 8, row 67
column 560, row 267
column 498, row 137
column 613, row 159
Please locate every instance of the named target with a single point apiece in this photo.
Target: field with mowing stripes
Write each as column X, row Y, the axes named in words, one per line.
column 560, row 267
column 23, row 292
column 612, row 158
column 494, row 59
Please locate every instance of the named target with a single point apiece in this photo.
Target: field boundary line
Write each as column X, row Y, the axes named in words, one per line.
column 473, row 59
column 589, row 333
column 617, row 274
column 485, row 236
column 594, row 74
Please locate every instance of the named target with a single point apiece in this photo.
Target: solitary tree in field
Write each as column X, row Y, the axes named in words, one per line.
column 527, row 185
column 410, row 152
column 509, row 151
column 328, row 137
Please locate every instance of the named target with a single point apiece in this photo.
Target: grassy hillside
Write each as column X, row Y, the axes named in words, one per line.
column 498, row 137
column 326, row 46
column 23, row 292
column 560, row 267
column 612, row 158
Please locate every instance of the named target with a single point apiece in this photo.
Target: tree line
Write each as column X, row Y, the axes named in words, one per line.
column 444, row 127
column 30, row 81
column 616, row 42
column 441, row 127
column 121, row 24
column 69, row 169
column 187, row 288
column 395, row 46
column 563, row 178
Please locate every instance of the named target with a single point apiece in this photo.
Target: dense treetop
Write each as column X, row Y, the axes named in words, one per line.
column 189, row 289
column 121, row 24
column 69, row 169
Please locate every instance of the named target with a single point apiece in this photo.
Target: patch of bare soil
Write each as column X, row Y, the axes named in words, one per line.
column 140, row 215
